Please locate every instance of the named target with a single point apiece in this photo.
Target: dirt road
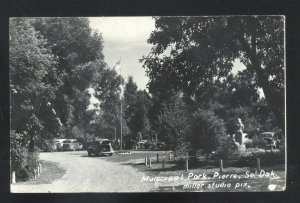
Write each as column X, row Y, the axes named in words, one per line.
column 88, row 174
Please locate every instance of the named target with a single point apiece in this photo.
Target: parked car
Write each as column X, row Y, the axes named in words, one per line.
column 100, row 147
column 71, row 145
column 59, row 144
column 141, row 144
column 270, row 139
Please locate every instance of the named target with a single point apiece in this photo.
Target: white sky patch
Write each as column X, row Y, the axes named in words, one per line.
column 93, row 100
column 126, row 37
column 237, row 66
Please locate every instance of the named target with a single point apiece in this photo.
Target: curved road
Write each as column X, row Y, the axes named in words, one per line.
column 88, row 174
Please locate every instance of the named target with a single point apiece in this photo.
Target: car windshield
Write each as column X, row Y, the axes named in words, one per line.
column 69, row 141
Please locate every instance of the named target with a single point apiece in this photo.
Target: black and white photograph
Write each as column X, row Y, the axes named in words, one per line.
column 150, row 104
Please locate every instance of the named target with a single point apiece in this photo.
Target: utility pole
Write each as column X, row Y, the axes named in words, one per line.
column 117, row 67
column 121, row 123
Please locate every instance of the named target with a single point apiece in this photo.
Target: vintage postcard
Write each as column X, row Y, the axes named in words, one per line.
column 147, row 104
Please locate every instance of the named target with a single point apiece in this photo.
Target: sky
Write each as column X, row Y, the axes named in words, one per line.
column 126, row 38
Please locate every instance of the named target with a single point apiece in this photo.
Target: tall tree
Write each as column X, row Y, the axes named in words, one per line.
column 135, row 109
column 139, row 123
column 203, row 49
column 174, row 125
column 78, row 51
column 107, row 90
column 130, row 98
column 34, row 80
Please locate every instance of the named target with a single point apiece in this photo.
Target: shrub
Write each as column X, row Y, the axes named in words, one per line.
column 16, row 151
column 208, row 131
column 258, row 141
column 227, row 149
column 22, row 161
column 267, row 158
column 181, row 151
column 174, row 125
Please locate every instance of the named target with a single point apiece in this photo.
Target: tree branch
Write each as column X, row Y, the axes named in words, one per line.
column 271, row 96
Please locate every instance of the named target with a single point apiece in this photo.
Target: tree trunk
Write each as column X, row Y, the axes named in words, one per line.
column 274, row 99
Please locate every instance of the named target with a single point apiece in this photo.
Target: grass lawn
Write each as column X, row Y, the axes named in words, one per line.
column 136, row 156
column 174, row 168
column 50, row 172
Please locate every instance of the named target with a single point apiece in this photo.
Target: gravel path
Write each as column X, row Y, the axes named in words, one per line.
column 88, row 174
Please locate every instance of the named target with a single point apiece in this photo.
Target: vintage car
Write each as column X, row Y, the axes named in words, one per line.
column 59, row 144
column 141, row 144
column 100, row 147
column 71, row 145
column 270, row 139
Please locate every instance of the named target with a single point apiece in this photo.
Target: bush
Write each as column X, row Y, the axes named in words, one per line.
column 16, row 151
column 174, row 125
column 266, row 158
column 181, row 151
column 22, row 161
column 258, row 141
column 227, row 149
column 208, row 132
column 29, row 164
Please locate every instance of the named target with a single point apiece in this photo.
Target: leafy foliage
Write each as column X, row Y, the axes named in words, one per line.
column 34, row 81
column 79, row 56
column 174, row 125
column 207, row 131
column 53, row 61
column 136, row 110
column 202, row 51
column 108, row 90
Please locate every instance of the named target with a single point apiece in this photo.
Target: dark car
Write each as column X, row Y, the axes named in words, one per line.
column 270, row 139
column 100, row 147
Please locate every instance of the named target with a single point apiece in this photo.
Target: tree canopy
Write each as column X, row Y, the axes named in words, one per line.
column 78, row 51
column 136, row 105
column 34, row 81
column 193, row 53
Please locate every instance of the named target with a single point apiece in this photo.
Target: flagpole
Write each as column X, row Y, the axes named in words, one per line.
column 121, row 110
column 121, row 123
